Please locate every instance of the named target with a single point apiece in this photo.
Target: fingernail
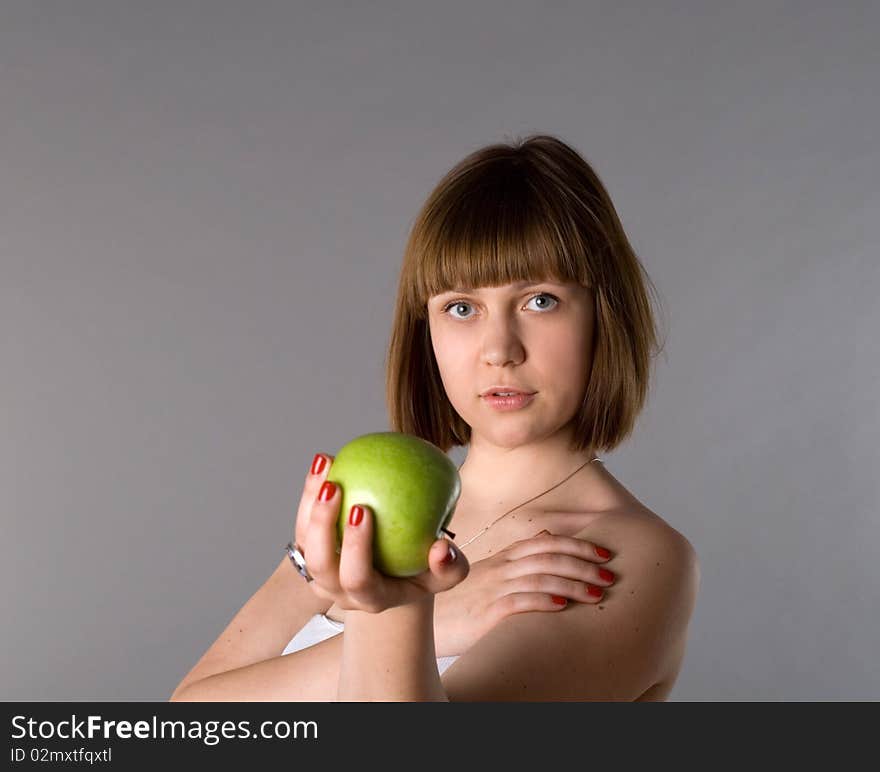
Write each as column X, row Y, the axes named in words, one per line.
column 596, row 592
column 356, row 515
column 327, row 491
column 606, row 575
column 318, row 463
column 450, row 555
column 558, row 600
column 602, row 552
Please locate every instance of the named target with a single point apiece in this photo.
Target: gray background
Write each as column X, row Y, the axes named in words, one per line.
column 204, row 207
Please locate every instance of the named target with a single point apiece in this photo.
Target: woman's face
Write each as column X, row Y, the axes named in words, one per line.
column 534, row 336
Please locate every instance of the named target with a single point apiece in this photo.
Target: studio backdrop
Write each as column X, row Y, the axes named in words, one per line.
column 204, row 207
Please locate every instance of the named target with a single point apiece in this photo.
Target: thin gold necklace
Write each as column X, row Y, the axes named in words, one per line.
column 523, row 504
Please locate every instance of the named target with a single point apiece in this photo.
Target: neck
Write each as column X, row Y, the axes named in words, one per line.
column 494, row 478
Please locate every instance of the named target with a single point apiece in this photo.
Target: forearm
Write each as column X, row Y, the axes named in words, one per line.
column 390, row 656
column 311, row 674
column 262, row 628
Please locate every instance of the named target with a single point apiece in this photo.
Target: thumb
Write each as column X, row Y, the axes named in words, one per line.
column 448, row 564
column 448, row 554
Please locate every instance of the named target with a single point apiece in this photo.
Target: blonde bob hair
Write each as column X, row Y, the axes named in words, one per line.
column 528, row 210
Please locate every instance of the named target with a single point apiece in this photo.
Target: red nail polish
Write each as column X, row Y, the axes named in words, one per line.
column 318, row 463
column 596, row 592
column 602, row 552
column 558, row 600
column 327, row 491
column 449, row 556
column 606, row 575
column 356, row 515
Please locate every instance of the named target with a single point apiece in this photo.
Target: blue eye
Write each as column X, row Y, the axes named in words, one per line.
column 465, row 303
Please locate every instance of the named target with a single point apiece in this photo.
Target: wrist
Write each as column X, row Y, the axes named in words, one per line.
column 416, row 609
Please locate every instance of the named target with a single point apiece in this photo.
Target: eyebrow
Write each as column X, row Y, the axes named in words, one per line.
column 516, row 285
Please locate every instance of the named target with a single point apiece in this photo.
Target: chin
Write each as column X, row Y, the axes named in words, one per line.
column 511, row 437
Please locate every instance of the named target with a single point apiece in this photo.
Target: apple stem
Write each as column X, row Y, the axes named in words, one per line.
column 448, row 533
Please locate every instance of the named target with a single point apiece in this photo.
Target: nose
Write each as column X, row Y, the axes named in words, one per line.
column 501, row 344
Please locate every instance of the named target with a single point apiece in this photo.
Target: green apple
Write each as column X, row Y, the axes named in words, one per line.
column 410, row 485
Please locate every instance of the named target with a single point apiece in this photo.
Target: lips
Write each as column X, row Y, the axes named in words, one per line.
column 507, row 404
column 493, row 390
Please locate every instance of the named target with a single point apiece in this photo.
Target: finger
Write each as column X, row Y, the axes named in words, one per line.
column 315, row 477
column 447, row 566
column 320, row 540
column 564, row 566
column 550, row 584
column 357, row 576
column 568, row 545
column 520, row 602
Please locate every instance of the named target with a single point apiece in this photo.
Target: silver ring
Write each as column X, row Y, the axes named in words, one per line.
column 299, row 561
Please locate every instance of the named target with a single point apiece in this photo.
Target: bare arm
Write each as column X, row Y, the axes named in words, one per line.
column 619, row 650
column 259, row 632
column 390, row 657
column 311, row 674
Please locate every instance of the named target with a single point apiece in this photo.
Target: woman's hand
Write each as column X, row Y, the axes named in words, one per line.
column 314, row 480
column 348, row 578
column 524, row 576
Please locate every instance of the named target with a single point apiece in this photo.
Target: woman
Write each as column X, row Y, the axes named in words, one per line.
column 517, row 276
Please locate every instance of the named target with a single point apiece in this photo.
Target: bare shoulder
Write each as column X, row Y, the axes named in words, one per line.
column 628, row 647
column 646, row 545
column 654, row 559
column 639, row 531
